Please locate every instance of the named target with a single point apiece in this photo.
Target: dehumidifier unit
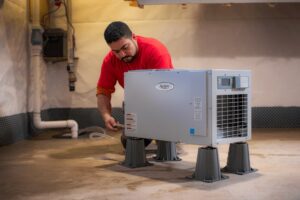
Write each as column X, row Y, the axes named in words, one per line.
column 204, row 107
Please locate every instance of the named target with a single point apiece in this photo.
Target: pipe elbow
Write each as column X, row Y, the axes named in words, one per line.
column 74, row 128
column 37, row 121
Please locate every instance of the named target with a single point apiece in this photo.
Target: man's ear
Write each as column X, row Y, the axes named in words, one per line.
column 133, row 36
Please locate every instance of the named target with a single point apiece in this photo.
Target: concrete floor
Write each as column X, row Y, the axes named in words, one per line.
column 48, row 168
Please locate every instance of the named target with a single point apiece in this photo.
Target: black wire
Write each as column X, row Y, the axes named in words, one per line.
column 48, row 13
column 69, row 23
column 67, row 15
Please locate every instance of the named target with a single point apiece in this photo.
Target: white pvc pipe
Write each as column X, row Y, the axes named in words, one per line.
column 56, row 124
column 35, row 62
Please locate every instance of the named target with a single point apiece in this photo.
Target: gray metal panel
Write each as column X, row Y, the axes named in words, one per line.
column 181, row 106
column 178, row 114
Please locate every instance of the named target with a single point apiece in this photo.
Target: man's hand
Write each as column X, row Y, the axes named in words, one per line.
column 104, row 107
column 110, row 123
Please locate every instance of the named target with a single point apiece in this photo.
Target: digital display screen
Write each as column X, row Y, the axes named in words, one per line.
column 225, row 81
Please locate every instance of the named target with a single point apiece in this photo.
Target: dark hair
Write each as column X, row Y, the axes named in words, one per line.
column 116, row 30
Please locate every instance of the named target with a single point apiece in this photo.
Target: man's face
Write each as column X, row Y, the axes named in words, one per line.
column 125, row 49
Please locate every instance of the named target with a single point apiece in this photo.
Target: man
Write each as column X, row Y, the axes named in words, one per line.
column 128, row 52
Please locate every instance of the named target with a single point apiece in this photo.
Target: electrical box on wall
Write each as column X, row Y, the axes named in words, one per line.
column 55, row 45
column 205, row 107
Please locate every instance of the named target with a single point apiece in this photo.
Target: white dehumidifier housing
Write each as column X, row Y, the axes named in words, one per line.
column 205, row 107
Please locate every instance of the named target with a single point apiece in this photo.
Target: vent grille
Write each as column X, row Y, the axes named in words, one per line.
column 232, row 112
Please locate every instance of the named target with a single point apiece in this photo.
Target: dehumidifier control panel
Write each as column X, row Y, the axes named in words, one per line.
column 233, row 82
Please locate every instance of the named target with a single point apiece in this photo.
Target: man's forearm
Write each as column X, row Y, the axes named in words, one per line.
column 104, row 105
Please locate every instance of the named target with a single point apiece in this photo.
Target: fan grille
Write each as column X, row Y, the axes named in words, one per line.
column 232, row 116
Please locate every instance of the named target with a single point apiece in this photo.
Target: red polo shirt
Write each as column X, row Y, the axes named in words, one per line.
column 151, row 55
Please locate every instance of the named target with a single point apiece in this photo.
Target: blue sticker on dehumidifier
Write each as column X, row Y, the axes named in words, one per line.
column 192, row 131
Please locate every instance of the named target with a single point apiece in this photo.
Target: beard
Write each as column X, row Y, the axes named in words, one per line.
column 127, row 59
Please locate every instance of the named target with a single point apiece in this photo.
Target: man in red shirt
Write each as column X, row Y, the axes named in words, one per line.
column 128, row 52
